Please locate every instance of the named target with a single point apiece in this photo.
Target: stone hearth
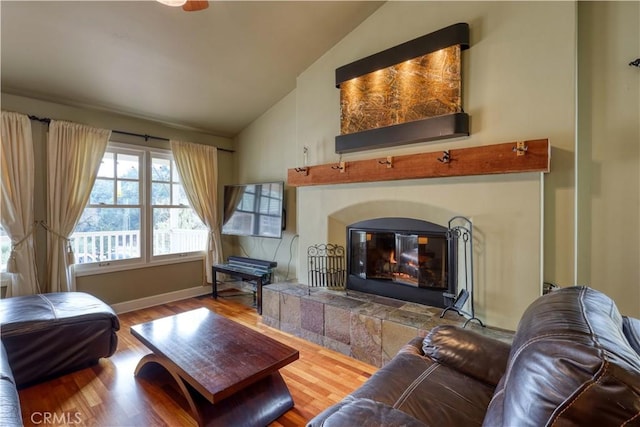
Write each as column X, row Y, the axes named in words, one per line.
column 366, row 327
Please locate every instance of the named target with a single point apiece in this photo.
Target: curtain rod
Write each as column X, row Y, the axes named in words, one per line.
column 145, row 136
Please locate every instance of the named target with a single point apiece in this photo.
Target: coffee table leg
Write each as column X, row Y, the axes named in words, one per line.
column 171, row 368
column 258, row 404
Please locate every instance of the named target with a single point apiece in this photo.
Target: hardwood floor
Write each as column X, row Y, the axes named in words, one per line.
column 108, row 394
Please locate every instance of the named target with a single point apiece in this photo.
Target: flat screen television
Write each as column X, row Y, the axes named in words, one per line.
column 254, row 210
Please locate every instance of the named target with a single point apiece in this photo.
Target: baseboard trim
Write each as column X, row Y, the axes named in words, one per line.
column 137, row 304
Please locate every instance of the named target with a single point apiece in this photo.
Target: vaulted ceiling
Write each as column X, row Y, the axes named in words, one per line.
column 214, row 70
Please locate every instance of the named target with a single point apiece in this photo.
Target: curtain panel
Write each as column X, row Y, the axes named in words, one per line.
column 74, row 153
column 17, row 169
column 197, row 166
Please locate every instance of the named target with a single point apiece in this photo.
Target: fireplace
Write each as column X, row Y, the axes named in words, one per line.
column 402, row 258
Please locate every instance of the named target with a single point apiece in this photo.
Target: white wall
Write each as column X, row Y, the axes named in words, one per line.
column 518, row 83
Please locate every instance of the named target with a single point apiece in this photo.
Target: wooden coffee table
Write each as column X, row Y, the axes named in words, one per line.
column 227, row 372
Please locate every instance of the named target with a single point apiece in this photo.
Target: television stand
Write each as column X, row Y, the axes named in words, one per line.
column 253, row 270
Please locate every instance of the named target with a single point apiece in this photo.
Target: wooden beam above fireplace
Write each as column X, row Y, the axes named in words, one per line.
column 510, row 157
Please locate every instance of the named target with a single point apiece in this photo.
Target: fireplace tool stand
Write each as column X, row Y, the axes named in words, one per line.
column 460, row 239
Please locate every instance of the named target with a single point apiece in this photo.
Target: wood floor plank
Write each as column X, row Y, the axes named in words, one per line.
column 108, row 394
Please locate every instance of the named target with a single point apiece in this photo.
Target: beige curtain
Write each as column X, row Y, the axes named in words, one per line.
column 17, row 169
column 74, row 153
column 198, row 169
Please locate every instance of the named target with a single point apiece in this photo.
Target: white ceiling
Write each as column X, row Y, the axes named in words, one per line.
column 214, row 70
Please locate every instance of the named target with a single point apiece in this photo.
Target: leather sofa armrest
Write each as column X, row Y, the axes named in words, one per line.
column 10, row 414
column 413, row 347
column 478, row 356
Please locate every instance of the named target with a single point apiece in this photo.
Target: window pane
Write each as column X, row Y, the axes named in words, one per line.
column 179, row 196
column 128, row 166
column 160, row 169
column 104, row 234
column 177, row 230
column 106, row 166
column 175, row 177
column 102, row 192
column 160, row 194
column 128, row 193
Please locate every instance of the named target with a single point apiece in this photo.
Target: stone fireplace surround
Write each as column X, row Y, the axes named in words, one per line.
column 366, row 327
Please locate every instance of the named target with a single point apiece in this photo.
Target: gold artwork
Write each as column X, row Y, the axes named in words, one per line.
column 419, row 88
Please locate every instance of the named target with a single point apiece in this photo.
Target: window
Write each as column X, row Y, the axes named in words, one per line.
column 111, row 224
column 176, row 227
column 137, row 212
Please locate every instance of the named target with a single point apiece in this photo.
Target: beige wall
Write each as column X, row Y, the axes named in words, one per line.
column 263, row 152
column 506, row 231
column 127, row 285
column 609, row 151
column 511, row 93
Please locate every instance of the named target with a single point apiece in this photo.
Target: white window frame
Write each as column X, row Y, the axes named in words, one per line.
column 167, row 155
column 146, row 258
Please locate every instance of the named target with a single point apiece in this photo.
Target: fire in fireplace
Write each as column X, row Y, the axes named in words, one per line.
column 401, row 258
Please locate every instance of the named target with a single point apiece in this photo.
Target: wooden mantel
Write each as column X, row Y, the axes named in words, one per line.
column 510, row 157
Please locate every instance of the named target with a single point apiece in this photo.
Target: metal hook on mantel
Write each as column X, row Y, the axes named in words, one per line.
column 388, row 162
column 340, row 166
column 302, row 171
column 446, row 157
column 520, row 149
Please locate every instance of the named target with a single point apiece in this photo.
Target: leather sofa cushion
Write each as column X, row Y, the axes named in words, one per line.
column 434, row 394
column 570, row 364
column 480, row 357
column 428, row 392
column 26, row 314
column 369, row 413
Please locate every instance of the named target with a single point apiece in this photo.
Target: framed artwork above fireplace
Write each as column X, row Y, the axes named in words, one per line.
column 408, row 93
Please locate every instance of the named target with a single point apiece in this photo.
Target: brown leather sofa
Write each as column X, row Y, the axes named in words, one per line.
column 48, row 335
column 574, row 361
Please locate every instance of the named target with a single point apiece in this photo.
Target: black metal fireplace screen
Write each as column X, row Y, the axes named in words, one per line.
column 410, row 259
column 402, row 258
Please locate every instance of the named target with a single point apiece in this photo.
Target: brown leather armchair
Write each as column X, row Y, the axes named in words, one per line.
column 574, row 361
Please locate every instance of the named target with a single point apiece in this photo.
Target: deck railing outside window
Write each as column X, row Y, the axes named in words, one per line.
column 103, row 246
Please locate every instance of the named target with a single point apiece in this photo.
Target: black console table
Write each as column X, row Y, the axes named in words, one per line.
column 253, row 270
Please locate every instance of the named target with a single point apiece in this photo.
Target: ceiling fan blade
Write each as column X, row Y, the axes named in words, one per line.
column 195, row 5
